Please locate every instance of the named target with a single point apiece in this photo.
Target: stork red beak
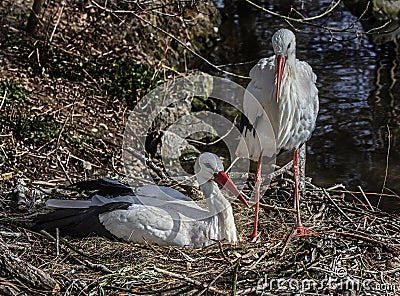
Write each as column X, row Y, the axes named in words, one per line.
column 222, row 179
column 280, row 61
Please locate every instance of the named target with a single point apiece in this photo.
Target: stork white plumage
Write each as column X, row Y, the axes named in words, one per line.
column 286, row 88
column 163, row 216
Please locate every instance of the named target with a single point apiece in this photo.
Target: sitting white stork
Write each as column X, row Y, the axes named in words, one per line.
column 159, row 215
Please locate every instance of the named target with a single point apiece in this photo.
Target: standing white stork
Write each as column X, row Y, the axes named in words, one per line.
column 159, row 215
column 286, row 89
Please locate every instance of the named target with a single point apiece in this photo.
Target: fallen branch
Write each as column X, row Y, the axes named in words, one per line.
column 11, row 266
column 191, row 281
column 336, row 206
column 98, row 267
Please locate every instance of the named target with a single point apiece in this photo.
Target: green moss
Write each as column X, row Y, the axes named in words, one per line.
column 114, row 77
column 203, row 104
column 127, row 80
column 14, row 42
column 39, row 130
column 17, row 116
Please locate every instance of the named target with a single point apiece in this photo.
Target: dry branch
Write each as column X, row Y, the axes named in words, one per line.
column 191, row 281
column 13, row 267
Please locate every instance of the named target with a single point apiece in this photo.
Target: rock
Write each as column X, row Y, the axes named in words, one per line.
column 379, row 18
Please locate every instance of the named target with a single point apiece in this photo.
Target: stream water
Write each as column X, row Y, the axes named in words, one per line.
column 356, row 141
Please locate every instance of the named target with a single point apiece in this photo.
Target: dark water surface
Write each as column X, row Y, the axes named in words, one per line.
column 359, row 92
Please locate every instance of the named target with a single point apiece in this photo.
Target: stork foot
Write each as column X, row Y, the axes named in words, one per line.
column 298, row 230
column 254, row 237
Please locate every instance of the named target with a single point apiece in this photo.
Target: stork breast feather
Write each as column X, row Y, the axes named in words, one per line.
column 261, row 87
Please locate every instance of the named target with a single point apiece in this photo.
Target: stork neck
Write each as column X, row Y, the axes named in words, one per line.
column 290, row 64
column 216, row 202
column 223, row 223
column 288, row 78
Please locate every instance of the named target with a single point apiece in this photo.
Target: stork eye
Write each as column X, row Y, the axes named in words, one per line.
column 207, row 165
column 289, row 45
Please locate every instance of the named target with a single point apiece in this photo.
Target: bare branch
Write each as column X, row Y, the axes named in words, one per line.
column 115, row 12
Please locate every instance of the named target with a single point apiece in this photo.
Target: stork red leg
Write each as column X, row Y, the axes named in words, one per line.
column 257, row 186
column 299, row 229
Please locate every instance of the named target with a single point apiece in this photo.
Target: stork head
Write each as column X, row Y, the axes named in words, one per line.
column 284, row 44
column 209, row 167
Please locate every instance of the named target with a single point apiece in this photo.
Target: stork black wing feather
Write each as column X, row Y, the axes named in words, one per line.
column 77, row 222
column 104, row 186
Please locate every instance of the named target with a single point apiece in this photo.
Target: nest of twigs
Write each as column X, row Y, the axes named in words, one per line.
column 354, row 250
